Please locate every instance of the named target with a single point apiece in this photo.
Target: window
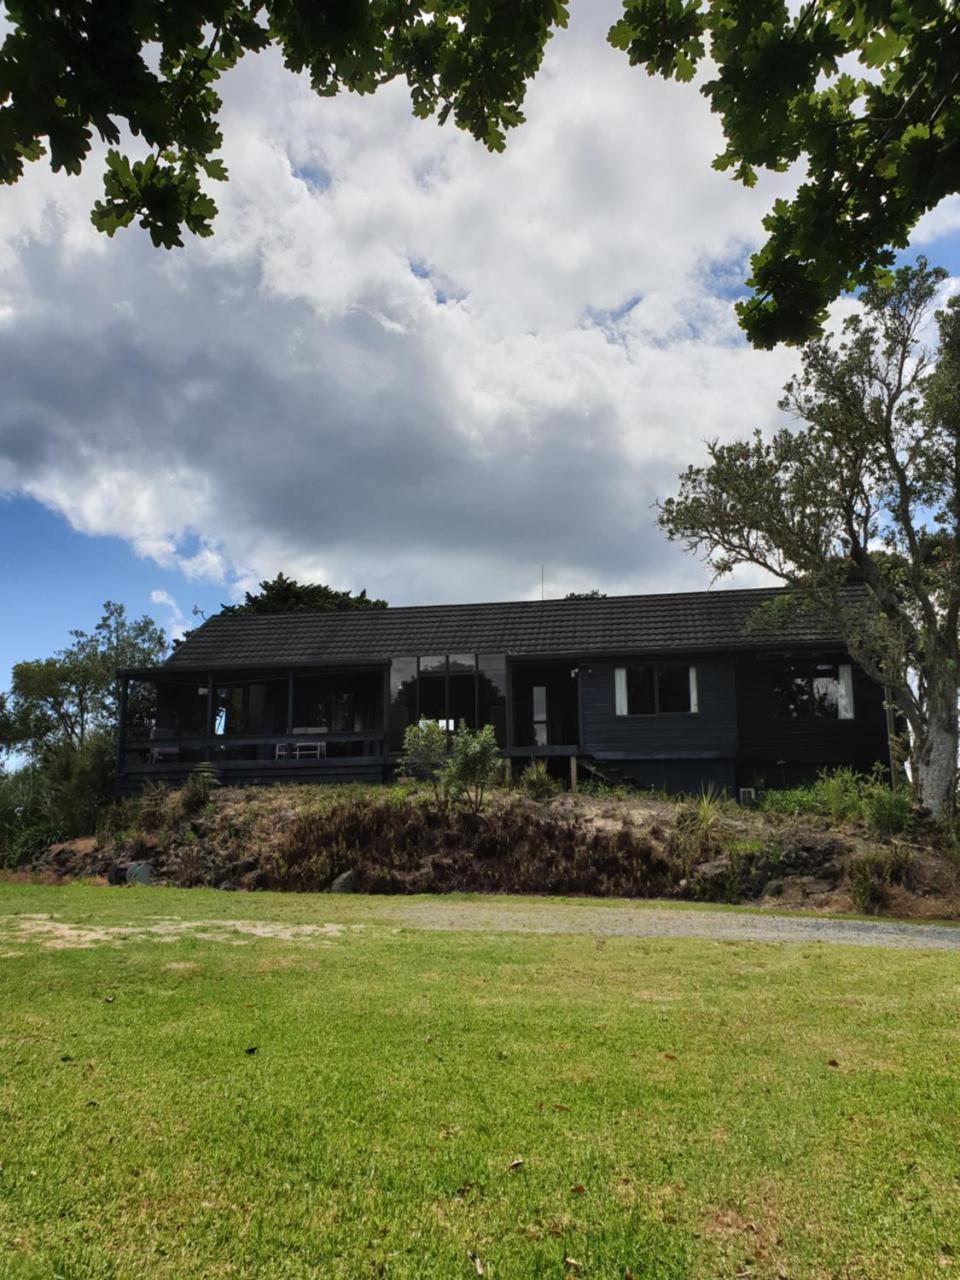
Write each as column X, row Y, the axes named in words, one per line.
column 245, row 710
column 811, row 690
column 447, row 688
column 403, row 700
column 540, row 733
column 649, row 689
column 492, row 692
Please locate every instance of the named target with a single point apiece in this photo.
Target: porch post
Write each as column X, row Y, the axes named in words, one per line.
column 208, row 754
column 573, row 774
column 508, row 720
column 122, row 724
column 385, row 749
column 289, row 702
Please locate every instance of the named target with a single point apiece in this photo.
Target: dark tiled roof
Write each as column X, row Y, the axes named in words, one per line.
column 692, row 621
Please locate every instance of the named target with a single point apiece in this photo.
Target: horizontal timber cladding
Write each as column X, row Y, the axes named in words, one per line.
column 769, row 741
column 676, row 777
column 709, row 733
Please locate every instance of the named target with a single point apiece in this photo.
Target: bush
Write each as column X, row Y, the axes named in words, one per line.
column 473, row 765
column 888, row 811
column 846, row 796
column 25, row 826
column 700, row 819
column 202, row 781
column 872, row 874
column 152, row 809
column 80, row 785
column 57, row 799
column 536, row 782
column 425, row 753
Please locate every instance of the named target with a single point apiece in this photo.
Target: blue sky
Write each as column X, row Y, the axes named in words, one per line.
column 55, row 579
column 400, row 363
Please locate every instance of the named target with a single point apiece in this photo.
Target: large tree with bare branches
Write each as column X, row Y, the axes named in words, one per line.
column 864, row 489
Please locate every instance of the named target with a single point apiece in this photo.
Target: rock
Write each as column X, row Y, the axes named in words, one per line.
column 82, row 847
column 227, row 885
column 811, row 887
column 773, row 889
column 345, row 882
column 139, row 873
column 813, row 856
column 713, row 870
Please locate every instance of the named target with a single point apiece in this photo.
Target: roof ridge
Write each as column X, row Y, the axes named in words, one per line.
column 488, row 604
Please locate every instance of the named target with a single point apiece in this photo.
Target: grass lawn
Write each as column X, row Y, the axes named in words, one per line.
column 427, row 1104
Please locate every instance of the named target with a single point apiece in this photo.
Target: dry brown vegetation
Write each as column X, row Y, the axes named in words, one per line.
column 399, row 840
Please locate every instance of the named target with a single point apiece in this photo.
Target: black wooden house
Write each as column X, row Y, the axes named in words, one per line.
column 667, row 691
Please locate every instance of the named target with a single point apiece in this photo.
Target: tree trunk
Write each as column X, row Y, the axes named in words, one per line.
column 937, row 762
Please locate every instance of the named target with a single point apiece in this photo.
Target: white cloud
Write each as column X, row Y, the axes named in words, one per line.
column 400, row 363
column 175, row 624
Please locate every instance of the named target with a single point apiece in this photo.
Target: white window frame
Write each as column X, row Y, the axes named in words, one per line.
column 845, row 694
column 621, row 704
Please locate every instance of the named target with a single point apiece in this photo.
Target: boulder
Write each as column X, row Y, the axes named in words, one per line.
column 810, row 855
column 344, row 883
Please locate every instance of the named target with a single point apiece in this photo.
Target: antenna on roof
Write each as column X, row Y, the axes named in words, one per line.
column 541, row 582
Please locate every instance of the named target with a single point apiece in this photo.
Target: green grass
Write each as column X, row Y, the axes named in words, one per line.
column 673, row 1102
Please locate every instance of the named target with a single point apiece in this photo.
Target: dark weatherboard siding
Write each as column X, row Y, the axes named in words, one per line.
column 676, row 752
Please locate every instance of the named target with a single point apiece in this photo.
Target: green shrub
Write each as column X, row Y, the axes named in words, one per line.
column 58, row 798
column 837, row 794
column 202, row 780
column 842, row 795
column 870, row 883
column 23, row 823
column 425, row 753
column 700, row 820
column 536, row 782
column 473, row 765
column 888, row 811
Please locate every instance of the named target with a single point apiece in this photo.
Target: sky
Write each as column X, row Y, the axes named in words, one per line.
column 401, row 363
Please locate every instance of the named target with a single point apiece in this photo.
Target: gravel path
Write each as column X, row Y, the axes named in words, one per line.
column 663, row 922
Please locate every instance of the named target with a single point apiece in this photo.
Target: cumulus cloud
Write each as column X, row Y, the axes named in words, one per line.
column 400, row 363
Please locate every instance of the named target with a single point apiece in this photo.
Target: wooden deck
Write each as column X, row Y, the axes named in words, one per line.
column 257, row 761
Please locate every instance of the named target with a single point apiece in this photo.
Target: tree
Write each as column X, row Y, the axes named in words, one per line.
column 881, row 146
column 60, row 701
column 69, row 69
column 865, row 492
column 473, row 765
column 424, row 755
column 595, row 594
column 286, row 595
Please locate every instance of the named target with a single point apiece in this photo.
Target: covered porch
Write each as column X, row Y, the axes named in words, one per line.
column 333, row 724
column 255, row 726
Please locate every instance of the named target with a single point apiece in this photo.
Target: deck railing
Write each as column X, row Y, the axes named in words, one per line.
column 171, row 754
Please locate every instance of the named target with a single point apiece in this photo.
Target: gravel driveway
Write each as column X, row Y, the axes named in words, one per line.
column 661, row 922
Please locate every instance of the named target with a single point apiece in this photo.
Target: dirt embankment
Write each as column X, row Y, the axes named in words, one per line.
column 384, row 840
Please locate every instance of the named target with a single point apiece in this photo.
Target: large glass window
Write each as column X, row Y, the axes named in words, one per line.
column 322, row 705
column 447, row 689
column 403, row 700
column 492, row 693
column 249, row 710
column 650, row 689
column 810, row 690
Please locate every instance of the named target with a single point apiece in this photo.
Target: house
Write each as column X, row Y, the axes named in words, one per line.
column 665, row 691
